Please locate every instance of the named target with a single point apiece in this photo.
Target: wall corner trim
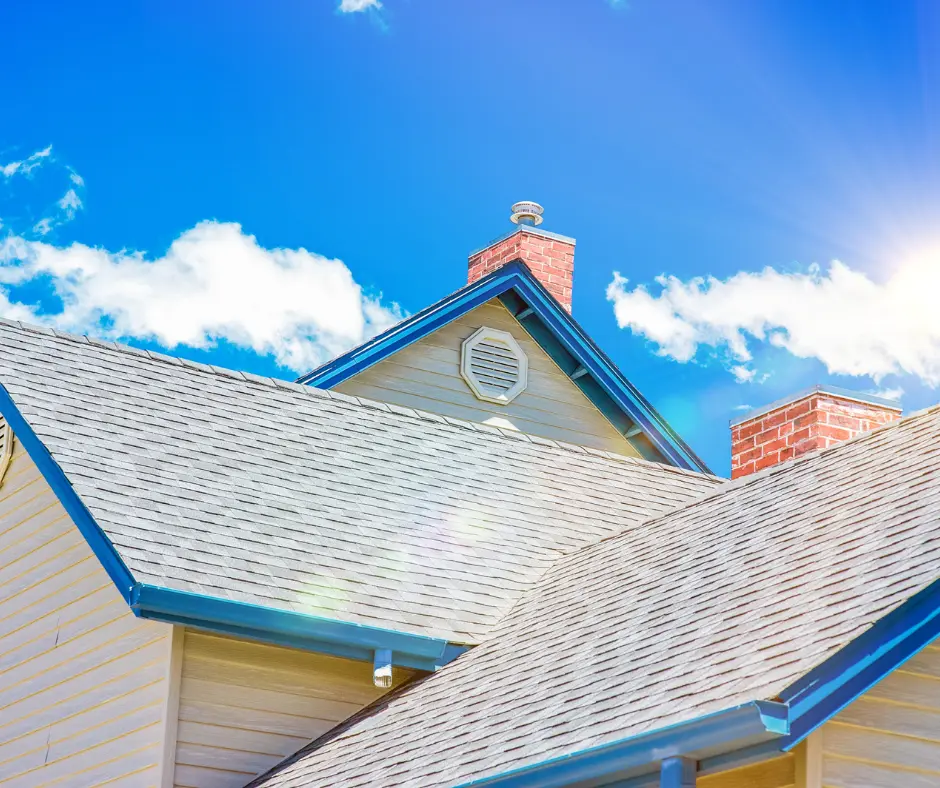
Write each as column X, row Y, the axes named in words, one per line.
column 809, row 761
column 171, row 705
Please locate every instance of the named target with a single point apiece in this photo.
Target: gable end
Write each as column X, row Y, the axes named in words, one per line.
column 556, row 333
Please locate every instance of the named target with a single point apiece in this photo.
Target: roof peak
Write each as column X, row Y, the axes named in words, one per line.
column 312, row 391
column 560, row 336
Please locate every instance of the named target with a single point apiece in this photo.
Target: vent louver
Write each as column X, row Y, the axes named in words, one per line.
column 494, row 366
column 6, row 447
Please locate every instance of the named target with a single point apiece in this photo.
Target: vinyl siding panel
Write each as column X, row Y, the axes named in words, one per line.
column 245, row 706
column 426, row 376
column 82, row 680
column 889, row 737
column 775, row 773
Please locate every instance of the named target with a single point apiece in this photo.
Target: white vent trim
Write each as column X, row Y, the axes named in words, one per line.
column 6, row 447
column 494, row 366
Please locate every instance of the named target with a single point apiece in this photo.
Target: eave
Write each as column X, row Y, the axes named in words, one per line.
column 636, row 760
column 854, row 669
column 225, row 616
column 557, row 333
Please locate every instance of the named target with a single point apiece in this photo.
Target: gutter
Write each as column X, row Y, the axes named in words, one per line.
column 289, row 628
column 638, row 757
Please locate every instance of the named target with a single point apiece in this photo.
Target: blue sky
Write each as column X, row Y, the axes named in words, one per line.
column 262, row 185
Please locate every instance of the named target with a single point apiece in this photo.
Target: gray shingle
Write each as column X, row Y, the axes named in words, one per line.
column 726, row 600
column 283, row 495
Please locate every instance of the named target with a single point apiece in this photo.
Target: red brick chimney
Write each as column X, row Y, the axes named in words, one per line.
column 549, row 256
column 814, row 419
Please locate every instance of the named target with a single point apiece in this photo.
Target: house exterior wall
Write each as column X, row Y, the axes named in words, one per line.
column 776, row 773
column 82, row 680
column 244, row 706
column 426, row 376
column 889, row 737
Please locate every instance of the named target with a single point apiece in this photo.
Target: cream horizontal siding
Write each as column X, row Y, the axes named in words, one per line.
column 243, row 706
column 82, row 679
column 774, row 773
column 889, row 737
column 426, row 376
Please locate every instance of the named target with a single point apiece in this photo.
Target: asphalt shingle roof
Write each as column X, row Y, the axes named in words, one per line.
column 268, row 492
column 726, row 600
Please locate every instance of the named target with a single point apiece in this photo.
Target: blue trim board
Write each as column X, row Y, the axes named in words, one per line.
column 240, row 619
column 553, row 329
column 638, row 756
column 850, row 672
column 97, row 539
column 288, row 628
column 605, row 372
column 409, row 330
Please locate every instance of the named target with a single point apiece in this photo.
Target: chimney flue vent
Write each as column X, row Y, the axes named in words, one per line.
column 527, row 212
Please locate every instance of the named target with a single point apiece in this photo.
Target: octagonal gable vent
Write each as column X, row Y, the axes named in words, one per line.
column 494, row 366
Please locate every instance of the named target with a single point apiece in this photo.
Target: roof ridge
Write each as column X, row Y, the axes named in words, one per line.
column 308, row 390
column 732, row 485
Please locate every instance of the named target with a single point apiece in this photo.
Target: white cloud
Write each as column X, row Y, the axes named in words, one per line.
column 27, row 165
column 70, row 204
column 64, row 210
column 352, row 6
column 743, row 374
column 43, row 226
column 214, row 282
column 852, row 324
column 58, row 211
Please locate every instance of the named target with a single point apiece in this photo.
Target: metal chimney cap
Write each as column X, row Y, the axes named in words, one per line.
column 526, row 212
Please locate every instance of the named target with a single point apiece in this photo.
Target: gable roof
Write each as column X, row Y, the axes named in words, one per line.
column 789, row 585
column 558, row 334
column 280, row 511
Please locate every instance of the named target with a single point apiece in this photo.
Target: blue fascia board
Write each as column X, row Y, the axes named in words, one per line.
column 853, row 670
column 611, row 380
column 410, row 330
column 289, row 628
column 516, row 275
column 635, row 757
column 55, row 477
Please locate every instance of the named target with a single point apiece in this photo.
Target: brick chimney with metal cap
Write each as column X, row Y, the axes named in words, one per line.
column 816, row 418
column 549, row 256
